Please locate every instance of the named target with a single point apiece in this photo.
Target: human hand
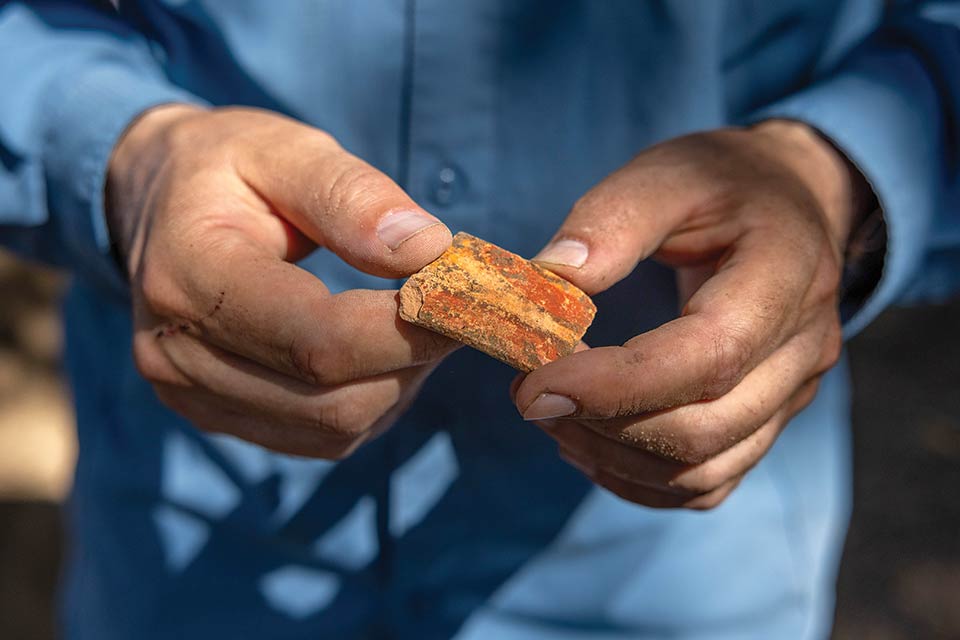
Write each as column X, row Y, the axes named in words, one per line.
column 755, row 221
column 209, row 209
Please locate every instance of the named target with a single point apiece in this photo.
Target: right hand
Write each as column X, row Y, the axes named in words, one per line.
column 209, row 209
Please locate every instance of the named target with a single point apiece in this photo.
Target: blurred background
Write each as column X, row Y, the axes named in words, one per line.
column 900, row 577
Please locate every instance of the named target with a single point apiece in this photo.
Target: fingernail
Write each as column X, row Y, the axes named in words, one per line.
column 398, row 227
column 549, row 405
column 566, row 253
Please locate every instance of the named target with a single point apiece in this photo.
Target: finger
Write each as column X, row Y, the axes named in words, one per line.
column 590, row 453
column 514, row 385
column 281, row 316
column 661, row 500
column 518, row 379
column 639, row 467
column 585, row 450
column 250, row 387
column 646, row 496
column 352, row 411
column 208, row 413
column 731, row 324
column 619, row 222
column 697, row 431
column 340, row 201
column 216, row 414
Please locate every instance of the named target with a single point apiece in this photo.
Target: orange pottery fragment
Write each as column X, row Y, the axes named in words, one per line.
column 499, row 303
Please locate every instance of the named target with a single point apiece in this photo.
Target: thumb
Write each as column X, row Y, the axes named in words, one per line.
column 619, row 222
column 342, row 203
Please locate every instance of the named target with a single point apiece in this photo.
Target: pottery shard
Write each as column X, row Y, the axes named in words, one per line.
column 499, row 303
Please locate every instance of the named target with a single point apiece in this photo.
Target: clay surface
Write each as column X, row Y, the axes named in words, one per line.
column 499, row 303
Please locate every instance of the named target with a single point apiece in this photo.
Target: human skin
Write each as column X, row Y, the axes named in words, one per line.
column 755, row 221
column 209, row 208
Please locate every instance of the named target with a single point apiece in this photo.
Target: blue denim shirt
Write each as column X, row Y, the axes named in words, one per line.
column 495, row 115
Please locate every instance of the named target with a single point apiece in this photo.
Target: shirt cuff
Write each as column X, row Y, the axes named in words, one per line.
column 86, row 118
column 882, row 112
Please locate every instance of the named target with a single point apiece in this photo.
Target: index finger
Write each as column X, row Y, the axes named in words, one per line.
column 734, row 321
column 272, row 312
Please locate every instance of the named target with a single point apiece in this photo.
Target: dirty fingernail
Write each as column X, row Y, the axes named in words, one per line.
column 549, row 405
column 398, row 227
column 566, row 253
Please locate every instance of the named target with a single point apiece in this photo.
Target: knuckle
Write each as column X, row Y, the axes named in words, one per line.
column 304, row 362
column 827, row 279
column 323, row 138
column 702, row 437
column 807, row 394
column 350, row 422
column 626, row 403
column 354, row 187
column 229, row 112
column 152, row 364
column 216, row 125
column 832, row 347
column 588, row 202
column 607, row 209
column 320, row 364
column 183, row 134
column 430, row 347
column 157, row 290
column 212, row 131
column 703, row 480
column 731, row 355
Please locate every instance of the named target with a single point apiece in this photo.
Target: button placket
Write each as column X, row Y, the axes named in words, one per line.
column 452, row 112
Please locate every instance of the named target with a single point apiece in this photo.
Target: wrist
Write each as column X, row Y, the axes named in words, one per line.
column 841, row 191
column 134, row 162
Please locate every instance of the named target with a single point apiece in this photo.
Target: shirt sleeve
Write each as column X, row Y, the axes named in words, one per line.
column 73, row 76
column 892, row 107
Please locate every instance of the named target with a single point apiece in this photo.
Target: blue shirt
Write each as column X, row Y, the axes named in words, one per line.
column 461, row 520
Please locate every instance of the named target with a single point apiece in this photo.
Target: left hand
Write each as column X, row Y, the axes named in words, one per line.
column 756, row 222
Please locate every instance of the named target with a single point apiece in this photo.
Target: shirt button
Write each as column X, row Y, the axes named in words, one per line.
column 448, row 186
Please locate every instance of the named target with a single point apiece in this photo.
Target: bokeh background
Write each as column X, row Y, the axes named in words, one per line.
column 900, row 577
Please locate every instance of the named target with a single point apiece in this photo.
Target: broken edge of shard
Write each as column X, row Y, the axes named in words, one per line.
column 497, row 302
